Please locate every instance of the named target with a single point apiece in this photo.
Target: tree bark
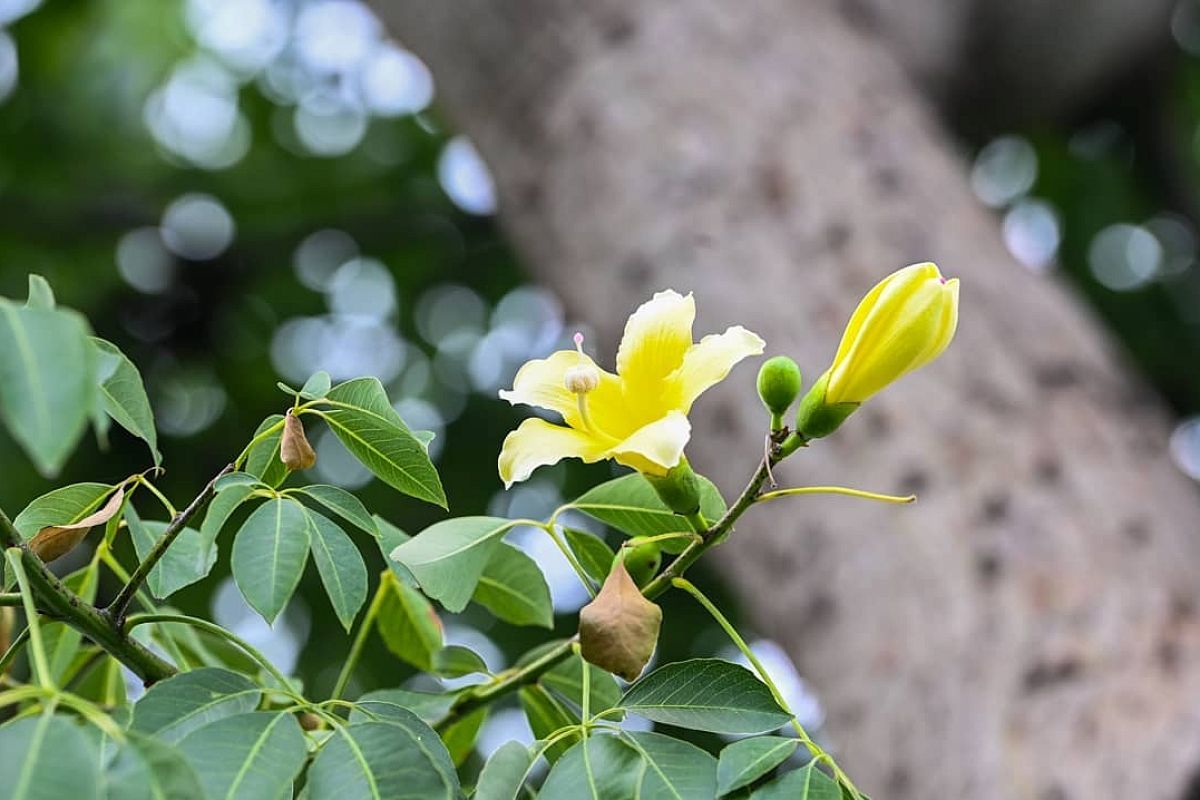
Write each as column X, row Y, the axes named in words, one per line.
column 1031, row 627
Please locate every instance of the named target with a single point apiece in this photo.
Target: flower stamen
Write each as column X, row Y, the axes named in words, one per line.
column 582, row 379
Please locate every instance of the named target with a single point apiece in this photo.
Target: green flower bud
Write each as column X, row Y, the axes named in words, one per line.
column 817, row 417
column 643, row 562
column 679, row 488
column 779, row 383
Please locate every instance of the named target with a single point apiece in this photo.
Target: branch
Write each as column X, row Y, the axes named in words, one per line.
column 59, row 601
column 473, row 701
column 119, row 607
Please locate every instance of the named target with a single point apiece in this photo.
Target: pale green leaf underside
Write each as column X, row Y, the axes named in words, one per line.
column 449, row 557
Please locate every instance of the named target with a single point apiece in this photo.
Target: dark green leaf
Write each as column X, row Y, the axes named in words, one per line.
column 344, row 504
column 566, row 679
column 47, row 381
column 455, row 661
column 263, row 461
column 408, row 624
column 61, row 641
column 399, row 759
column 806, row 783
column 247, row 757
column 460, row 736
column 221, row 508
column 365, row 422
column 269, row 554
column 385, row 702
column 189, row 558
column 235, row 480
column 631, row 505
column 62, row 506
column 504, row 773
column 706, row 695
column 148, row 769
column 675, row 770
column 173, row 708
column 340, row 565
column 123, row 394
column 593, row 554
column 514, row 589
column 449, row 557
column 48, row 758
column 546, row 716
column 744, row 762
column 610, row 770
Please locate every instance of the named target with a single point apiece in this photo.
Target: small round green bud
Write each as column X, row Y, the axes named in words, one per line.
column 779, row 383
column 643, row 562
column 678, row 489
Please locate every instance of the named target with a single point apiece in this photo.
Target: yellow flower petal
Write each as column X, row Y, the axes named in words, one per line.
column 709, row 362
column 542, row 383
column 656, row 447
column 537, row 443
column 657, row 337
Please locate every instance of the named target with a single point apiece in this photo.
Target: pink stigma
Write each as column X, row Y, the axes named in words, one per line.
column 579, row 337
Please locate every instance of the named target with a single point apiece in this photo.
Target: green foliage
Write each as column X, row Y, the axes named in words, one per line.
column 220, row 720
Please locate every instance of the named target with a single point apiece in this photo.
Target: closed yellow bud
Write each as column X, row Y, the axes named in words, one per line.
column 902, row 324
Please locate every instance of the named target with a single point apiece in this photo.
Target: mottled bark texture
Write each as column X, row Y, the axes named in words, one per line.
column 1031, row 627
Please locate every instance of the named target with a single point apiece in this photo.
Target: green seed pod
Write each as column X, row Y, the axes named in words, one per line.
column 779, row 383
column 643, row 562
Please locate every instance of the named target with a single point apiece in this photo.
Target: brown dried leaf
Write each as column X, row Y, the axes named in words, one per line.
column 55, row 541
column 294, row 450
column 619, row 629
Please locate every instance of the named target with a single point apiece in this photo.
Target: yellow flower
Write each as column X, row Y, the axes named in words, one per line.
column 637, row 417
column 902, row 324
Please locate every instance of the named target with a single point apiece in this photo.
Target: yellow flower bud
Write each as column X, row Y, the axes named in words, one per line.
column 905, row 322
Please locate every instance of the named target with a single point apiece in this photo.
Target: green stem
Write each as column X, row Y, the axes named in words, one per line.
column 119, row 607
column 38, row 663
column 552, row 531
column 360, row 638
column 844, row 490
column 162, row 498
column 11, row 599
column 13, row 649
column 815, row 749
column 168, row 641
column 218, row 631
column 505, row 684
column 278, row 426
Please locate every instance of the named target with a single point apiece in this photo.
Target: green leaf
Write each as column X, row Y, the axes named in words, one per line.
column 189, row 558
column 566, row 680
column 388, row 702
column 48, row 758
column 745, row 761
column 365, row 422
column 173, row 708
column 61, row 641
column 399, row 759
column 504, row 773
column 123, row 394
column 598, row 768
column 806, row 783
column 593, row 554
column 448, row 558
column 263, row 459
column 47, row 381
column 340, row 565
column 342, row 503
column 221, row 508
column 233, row 480
column 514, row 589
column 675, row 770
column 706, row 694
column 40, row 294
column 631, row 505
column 247, row 757
column 316, row 386
column 546, row 716
column 269, row 554
column 148, row 769
column 455, row 661
column 408, row 624
column 391, row 537
column 63, row 506
column 460, row 736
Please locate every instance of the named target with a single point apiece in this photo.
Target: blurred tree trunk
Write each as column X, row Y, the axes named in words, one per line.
column 1029, row 629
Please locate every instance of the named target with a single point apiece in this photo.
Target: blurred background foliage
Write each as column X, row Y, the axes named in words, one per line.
column 243, row 191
